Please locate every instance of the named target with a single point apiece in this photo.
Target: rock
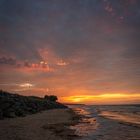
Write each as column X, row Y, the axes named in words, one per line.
column 10, row 113
column 20, row 112
column 1, row 115
column 12, row 105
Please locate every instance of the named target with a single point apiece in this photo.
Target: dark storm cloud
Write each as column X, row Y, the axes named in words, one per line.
column 63, row 23
column 51, row 21
column 16, row 25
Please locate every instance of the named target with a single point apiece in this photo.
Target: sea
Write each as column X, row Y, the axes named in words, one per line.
column 107, row 122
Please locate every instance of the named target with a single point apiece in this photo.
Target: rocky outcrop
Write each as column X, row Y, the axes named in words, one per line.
column 14, row 105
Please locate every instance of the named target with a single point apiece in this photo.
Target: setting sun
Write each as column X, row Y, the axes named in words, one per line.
column 102, row 98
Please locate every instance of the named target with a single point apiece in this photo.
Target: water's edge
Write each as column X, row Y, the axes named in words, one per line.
column 107, row 122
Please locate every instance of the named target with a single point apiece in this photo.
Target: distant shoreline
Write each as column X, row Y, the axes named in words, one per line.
column 102, row 104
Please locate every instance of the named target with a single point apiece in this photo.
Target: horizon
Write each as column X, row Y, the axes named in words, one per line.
column 73, row 102
column 81, row 51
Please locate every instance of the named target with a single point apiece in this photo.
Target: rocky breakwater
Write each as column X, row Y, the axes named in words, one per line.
column 14, row 105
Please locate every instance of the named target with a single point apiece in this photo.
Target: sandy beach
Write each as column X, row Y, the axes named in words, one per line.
column 78, row 123
column 47, row 125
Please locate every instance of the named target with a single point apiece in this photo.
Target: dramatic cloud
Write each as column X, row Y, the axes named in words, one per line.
column 71, row 48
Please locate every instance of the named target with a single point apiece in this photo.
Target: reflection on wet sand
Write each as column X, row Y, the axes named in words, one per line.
column 113, row 122
column 87, row 123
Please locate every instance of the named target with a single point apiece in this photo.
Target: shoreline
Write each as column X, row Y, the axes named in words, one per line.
column 107, row 128
column 51, row 124
column 73, row 123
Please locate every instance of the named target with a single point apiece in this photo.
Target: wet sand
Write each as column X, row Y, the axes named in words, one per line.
column 47, row 125
column 86, row 125
column 101, row 126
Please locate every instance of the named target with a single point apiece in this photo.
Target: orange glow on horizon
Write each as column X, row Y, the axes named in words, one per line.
column 115, row 98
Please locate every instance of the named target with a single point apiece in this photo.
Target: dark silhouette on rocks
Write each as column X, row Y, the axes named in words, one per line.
column 13, row 105
column 51, row 98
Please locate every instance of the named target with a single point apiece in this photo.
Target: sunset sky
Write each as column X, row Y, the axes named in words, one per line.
column 83, row 51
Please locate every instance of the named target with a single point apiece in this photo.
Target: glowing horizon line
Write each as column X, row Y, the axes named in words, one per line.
column 106, row 96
